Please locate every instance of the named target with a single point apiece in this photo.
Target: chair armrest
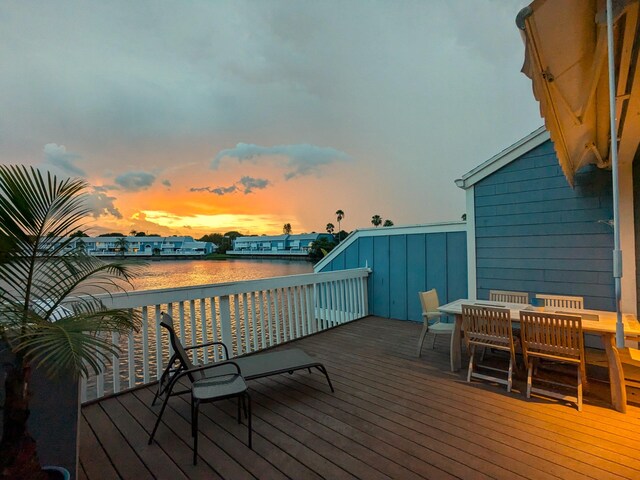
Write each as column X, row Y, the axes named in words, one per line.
column 431, row 315
column 209, row 344
column 207, row 367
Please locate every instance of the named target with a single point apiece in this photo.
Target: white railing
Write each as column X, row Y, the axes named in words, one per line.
column 246, row 316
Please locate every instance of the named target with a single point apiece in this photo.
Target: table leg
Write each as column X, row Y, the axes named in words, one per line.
column 616, row 374
column 454, row 349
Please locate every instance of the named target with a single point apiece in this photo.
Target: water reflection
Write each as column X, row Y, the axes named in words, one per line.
column 184, row 273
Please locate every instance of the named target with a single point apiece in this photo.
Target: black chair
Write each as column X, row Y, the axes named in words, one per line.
column 207, row 384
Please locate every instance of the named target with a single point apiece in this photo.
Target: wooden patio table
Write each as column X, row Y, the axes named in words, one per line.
column 596, row 322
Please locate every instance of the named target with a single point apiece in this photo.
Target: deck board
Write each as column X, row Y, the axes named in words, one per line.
column 392, row 416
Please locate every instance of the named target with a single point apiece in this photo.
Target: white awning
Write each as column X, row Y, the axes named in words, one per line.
column 566, row 59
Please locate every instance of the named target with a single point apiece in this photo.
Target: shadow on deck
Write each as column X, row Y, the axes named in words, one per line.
column 392, row 416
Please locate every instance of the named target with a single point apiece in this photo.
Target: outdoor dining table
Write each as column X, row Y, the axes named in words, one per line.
column 595, row 322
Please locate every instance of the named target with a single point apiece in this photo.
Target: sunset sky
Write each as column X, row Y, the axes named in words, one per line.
column 194, row 117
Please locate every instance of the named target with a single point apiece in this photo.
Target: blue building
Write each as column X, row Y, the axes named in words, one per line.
column 143, row 246
column 294, row 245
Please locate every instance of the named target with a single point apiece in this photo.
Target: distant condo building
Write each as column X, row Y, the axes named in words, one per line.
column 143, row 246
column 285, row 245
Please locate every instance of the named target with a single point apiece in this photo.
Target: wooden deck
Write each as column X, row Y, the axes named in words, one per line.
column 392, row 416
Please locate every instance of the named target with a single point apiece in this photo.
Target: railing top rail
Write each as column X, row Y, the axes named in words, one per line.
column 137, row 298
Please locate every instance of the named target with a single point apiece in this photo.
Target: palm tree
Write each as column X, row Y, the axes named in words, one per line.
column 330, row 228
column 122, row 246
column 376, row 220
column 339, row 217
column 50, row 317
column 388, row 223
column 286, row 229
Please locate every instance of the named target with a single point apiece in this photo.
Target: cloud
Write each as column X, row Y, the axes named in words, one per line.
column 135, row 181
column 101, row 204
column 300, row 159
column 249, row 183
column 245, row 185
column 58, row 156
column 217, row 190
column 166, row 183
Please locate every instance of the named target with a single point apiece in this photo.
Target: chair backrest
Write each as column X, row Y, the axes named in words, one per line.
column 167, row 322
column 487, row 325
column 551, row 335
column 429, row 301
column 561, row 301
column 508, row 297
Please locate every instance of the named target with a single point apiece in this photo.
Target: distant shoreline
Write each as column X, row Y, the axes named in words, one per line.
column 213, row 257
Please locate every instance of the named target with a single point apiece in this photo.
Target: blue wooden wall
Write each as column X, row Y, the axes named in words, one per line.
column 403, row 265
column 535, row 233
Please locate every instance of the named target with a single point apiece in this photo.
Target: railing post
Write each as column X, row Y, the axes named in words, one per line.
column 237, row 324
column 311, row 308
column 267, row 295
column 254, row 333
column 245, row 322
column 145, row 344
column 194, row 329
column 203, row 328
column 225, row 323
column 183, row 334
column 214, row 327
column 131, row 353
column 170, row 313
column 260, row 297
column 158, row 344
column 276, row 315
column 288, row 292
column 365, row 296
column 115, row 338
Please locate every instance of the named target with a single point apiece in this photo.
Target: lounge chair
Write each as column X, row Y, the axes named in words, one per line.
column 209, row 383
column 250, row 367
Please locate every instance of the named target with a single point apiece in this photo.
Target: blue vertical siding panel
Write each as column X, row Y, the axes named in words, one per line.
column 365, row 257
column 535, row 233
column 339, row 262
column 416, row 274
column 437, row 264
column 398, row 276
column 380, row 277
column 456, row 266
column 351, row 256
column 365, row 251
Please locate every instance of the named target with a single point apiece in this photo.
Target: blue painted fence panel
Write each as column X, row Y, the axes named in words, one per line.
column 403, row 265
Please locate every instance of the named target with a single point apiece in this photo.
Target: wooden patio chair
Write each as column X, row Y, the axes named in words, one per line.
column 561, row 301
column 553, row 337
column 489, row 327
column 630, row 360
column 508, row 297
column 430, row 304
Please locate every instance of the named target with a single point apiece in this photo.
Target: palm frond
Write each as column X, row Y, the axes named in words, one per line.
column 39, row 274
column 78, row 343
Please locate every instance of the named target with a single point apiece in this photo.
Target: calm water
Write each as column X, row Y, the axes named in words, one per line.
column 184, row 273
